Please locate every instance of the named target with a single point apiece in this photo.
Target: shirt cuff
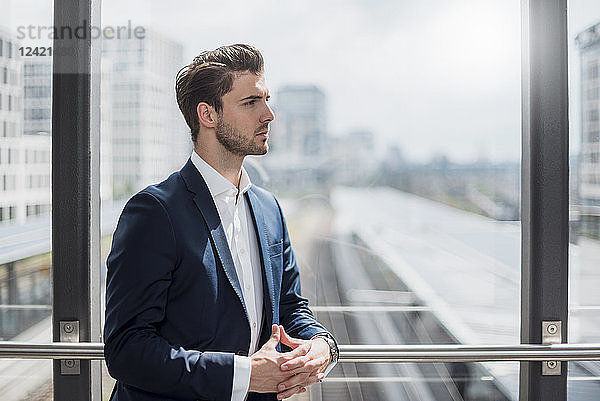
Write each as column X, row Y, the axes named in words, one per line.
column 242, row 368
column 329, row 367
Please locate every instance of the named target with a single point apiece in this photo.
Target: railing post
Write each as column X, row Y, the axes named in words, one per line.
column 545, row 176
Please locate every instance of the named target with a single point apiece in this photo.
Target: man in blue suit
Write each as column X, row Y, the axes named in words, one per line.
column 202, row 282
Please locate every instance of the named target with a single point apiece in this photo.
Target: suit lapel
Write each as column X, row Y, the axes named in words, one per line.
column 205, row 203
column 261, row 230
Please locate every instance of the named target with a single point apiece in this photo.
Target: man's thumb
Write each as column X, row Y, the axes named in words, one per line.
column 274, row 340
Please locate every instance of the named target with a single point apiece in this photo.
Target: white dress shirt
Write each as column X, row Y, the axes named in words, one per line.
column 236, row 218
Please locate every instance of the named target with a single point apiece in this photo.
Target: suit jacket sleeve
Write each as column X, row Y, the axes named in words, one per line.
column 294, row 312
column 140, row 268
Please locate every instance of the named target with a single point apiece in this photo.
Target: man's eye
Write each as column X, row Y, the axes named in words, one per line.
column 250, row 103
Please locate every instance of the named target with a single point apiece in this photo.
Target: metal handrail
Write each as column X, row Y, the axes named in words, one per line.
column 469, row 353
column 57, row 350
column 352, row 353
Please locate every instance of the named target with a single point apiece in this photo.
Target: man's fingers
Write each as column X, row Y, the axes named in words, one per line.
column 274, row 339
column 289, row 341
column 310, row 366
column 297, row 388
column 290, row 392
column 293, row 381
column 297, row 362
column 316, row 365
column 299, row 351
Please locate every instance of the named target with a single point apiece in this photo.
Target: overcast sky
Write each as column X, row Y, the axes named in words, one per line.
column 433, row 76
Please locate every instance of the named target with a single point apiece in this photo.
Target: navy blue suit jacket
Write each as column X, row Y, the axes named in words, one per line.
column 174, row 308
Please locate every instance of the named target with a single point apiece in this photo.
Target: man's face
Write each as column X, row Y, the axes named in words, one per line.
column 243, row 124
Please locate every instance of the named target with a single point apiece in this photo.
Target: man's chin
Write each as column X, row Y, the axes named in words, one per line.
column 260, row 151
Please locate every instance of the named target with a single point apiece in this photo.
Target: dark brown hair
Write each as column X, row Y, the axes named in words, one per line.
column 210, row 76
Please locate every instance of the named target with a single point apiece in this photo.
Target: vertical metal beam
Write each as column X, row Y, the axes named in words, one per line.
column 545, row 176
column 71, row 185
column 95, row 265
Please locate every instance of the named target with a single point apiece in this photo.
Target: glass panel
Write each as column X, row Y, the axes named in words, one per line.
column 25, row 292
column 392, row 294
column 25, row 196
column 394, row 153
column 584, row 304
column 26, row 380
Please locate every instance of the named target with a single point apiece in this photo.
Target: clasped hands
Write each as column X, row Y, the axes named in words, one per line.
column 291, row 372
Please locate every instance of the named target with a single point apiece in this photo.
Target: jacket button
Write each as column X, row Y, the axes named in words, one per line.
column 242, row 353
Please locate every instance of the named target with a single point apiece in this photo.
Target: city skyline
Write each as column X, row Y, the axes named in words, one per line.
column 455, row 86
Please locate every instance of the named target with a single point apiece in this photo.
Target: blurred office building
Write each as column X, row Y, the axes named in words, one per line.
column 149, row 137
column 24, row 158
column 37, row 80
column 37, row 128
column 299, row 155
column 355, row 158
column 588, row 43
column 301, row 116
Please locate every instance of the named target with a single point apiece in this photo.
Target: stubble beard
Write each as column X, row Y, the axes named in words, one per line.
column 236, row 143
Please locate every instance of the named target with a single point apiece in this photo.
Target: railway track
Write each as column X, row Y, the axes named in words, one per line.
column 363, row 302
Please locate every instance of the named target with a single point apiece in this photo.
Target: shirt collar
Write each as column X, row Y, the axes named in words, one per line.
column 217, row 184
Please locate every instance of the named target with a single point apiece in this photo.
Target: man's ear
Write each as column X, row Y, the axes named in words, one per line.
column 206, row 115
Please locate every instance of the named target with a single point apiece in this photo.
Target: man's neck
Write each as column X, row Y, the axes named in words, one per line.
column 226, row 164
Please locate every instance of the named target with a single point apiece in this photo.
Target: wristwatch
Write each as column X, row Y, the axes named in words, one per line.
column 334, row 352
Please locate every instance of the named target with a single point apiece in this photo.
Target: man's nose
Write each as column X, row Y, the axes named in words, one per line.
column 268, row 115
